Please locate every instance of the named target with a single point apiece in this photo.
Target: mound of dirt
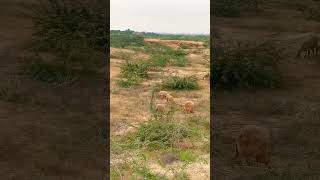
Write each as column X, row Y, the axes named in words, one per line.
column 175, row 43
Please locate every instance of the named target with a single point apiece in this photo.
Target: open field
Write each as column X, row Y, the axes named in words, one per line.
column 146, row 143
column 290, row 111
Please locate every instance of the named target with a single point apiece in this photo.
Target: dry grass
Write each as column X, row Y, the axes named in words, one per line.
column 151, row 133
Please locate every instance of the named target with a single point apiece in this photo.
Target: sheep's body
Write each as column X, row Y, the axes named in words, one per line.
column 169, row 98
column 165, row 95
column 160, row 107
column 309, row 47
column 189, row 107
column 254, row 141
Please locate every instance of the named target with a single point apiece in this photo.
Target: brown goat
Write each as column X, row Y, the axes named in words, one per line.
column 160, row 107
column 163, row 94
column 309, row 47
column 253, row 141
column 189, row 107
column 166, row 95
column 169, row 98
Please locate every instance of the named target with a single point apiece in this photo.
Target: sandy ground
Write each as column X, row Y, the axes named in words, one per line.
column 131, row 106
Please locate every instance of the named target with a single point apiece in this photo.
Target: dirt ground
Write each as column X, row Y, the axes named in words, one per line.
column 276, row 110
column 56, row 134
column 131, row 106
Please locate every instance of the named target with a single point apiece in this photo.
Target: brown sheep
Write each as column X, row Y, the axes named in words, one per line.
column 253, row 141
column 160, row 107
column 169, row 98
column 163, row 94
column 166, row 95
column 309, row 47
column 189, row 107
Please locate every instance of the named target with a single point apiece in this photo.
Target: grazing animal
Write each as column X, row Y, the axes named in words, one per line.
column 169, row 98
column 160, row 107
column 189, row 107
column 253, row 141
column 309, row 47
column 163, row 94
column 166, row 95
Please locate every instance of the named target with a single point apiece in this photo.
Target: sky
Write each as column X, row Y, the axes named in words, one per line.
column 161, row 16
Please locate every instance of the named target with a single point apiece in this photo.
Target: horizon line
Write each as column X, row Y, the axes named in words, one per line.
column 162, row 32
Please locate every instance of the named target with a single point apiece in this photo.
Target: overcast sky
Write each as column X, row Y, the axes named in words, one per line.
column 166, row 16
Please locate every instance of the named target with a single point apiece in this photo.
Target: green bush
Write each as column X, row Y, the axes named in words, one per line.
column 180, row 83
column 132, row 73
column 233, row 8
column 61, row 26
column 157, row 134
column 129, row 82
column 162, row 56
column 123, row 39
column 122, row 55
column 134, row 69
column 180, row 61
column 250, row 66
column 188, row 156
column 51, row 73
column 74, row 31
column 226, row 8
column 159, row 60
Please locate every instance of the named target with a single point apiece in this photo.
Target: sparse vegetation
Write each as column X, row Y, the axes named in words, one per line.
column 61, row 25
column 70, row 37
column 181, row 176
column 132, row 73
column 201, row 38
column 290, row 113
column 159, row 60
column 188, row 156
column 226, row 8
column 233, row 8
column 74, row 33
column 180, row 83
column 248, row 66
column 122, row 55
column 163, row 55
column 11, row 91
column 156, row 134
column 52, row 73
column 163, row 130
column 141, row 170
column 123, row 39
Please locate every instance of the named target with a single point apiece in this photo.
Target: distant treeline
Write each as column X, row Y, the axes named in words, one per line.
column 128, row 37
